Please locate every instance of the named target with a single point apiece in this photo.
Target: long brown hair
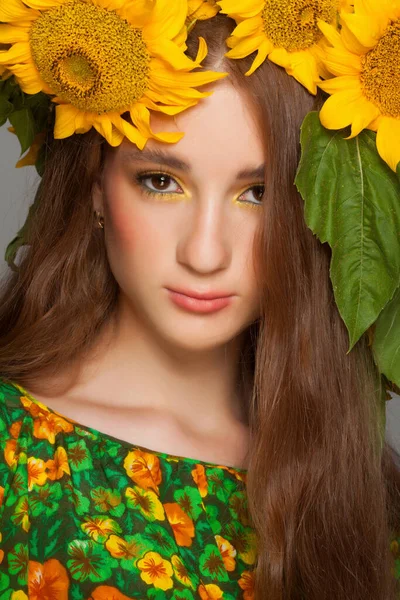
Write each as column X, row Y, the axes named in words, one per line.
column 322, row 486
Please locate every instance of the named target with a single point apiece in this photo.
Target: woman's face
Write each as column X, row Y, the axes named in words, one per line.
column 183, row 217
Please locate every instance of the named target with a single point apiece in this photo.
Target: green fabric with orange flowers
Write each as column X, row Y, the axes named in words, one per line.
column 87, row 516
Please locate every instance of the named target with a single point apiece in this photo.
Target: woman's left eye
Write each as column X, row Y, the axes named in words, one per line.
column 253, row 194
column 159, row 183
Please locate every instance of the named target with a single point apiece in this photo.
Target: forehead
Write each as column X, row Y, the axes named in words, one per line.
column 221, row 133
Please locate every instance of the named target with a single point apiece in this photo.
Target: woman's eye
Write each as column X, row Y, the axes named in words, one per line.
column 160, row 182
column 253, row 194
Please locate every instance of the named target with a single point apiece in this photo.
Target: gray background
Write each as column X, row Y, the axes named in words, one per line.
column 17, row 189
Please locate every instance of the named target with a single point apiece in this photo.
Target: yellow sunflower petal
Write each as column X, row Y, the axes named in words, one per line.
column 202, row 10
column 366, row 114
column 262, row 54
column 241, row 9
column 366, row 28
column 331, row 34
column 366, row 7
column 157, row 93
column 18, row 53
column 10, row 34
column 202, row 50
column 248, row 27
column 141, row 118
column 388, row 141
column 168, row 110
column 340, row 109
column 341, row 62
column 303, row 67
column 44, row 4
column 12, row 11
column 170, row 53
column 181, row 80
column 351, row 42
column 129, row 131
column 28, row 79
column 31, row 156
column 340, row 84
column 65, row 121
column 105, row 127
column 167, row 19
column 244, row 47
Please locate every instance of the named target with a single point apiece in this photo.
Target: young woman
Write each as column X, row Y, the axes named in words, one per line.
column 157, row 445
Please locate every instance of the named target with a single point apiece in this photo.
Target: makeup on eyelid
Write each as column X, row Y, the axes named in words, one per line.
column 173, row 196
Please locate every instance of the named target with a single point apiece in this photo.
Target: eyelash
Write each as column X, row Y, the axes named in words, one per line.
column 141, row 177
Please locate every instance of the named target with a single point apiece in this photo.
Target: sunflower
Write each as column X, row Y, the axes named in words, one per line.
column 285, row 31
column 365, row 59
column 100, row 59
column 202, row 9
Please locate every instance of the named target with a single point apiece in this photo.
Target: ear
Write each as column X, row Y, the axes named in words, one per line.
column 97, row 197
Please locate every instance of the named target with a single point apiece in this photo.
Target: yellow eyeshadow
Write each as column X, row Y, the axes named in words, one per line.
column 243, row 203
column 166, row 196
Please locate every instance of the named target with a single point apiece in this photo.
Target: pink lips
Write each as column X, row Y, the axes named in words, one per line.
column 204, row 303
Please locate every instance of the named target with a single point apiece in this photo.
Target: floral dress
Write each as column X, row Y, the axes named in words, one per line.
column 87, row 516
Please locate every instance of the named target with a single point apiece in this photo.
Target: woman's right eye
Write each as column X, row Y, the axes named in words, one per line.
column 159, row 183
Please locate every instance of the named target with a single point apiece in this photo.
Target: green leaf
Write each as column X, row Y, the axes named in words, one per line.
column 386, row 345
column 5, row 109
column 352, row 202
column 25, row 128
column 398, row 171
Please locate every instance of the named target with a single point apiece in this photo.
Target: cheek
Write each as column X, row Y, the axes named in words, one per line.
column 133, row 233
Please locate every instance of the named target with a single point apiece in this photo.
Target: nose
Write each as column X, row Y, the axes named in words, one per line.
column 205, row 241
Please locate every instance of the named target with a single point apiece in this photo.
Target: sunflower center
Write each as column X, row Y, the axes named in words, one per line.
column 90, row 57
column 78, row 69
column 292, row 24
column 380, row 75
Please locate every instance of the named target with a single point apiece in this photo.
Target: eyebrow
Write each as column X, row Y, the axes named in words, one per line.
column 169, row 160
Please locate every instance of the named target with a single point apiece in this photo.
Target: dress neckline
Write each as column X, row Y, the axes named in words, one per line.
column 124, row 443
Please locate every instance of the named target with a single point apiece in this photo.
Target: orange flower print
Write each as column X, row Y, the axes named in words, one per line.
column 199, row 477
column 144, row 469
column 237, row 474
column 246, row 545
column 155, row 570
column 34, row 408
column 47, row 426
column 21, row 514
column 246, row 582
column 99, row 528
column 1, row 495
column 15, row 429
column 210, row 592
column 106, row 500
column 181, row 572
column 145, row 501
column 122, row 549
column 227, row 551
column 12, row 453
column 106, row 592
column 1, row 551
column 48, row 581
column 57, row 466
column 36, row 472
column 181, row 523
column 20, row 595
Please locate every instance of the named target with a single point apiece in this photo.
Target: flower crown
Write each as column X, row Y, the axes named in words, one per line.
column 67, row 55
